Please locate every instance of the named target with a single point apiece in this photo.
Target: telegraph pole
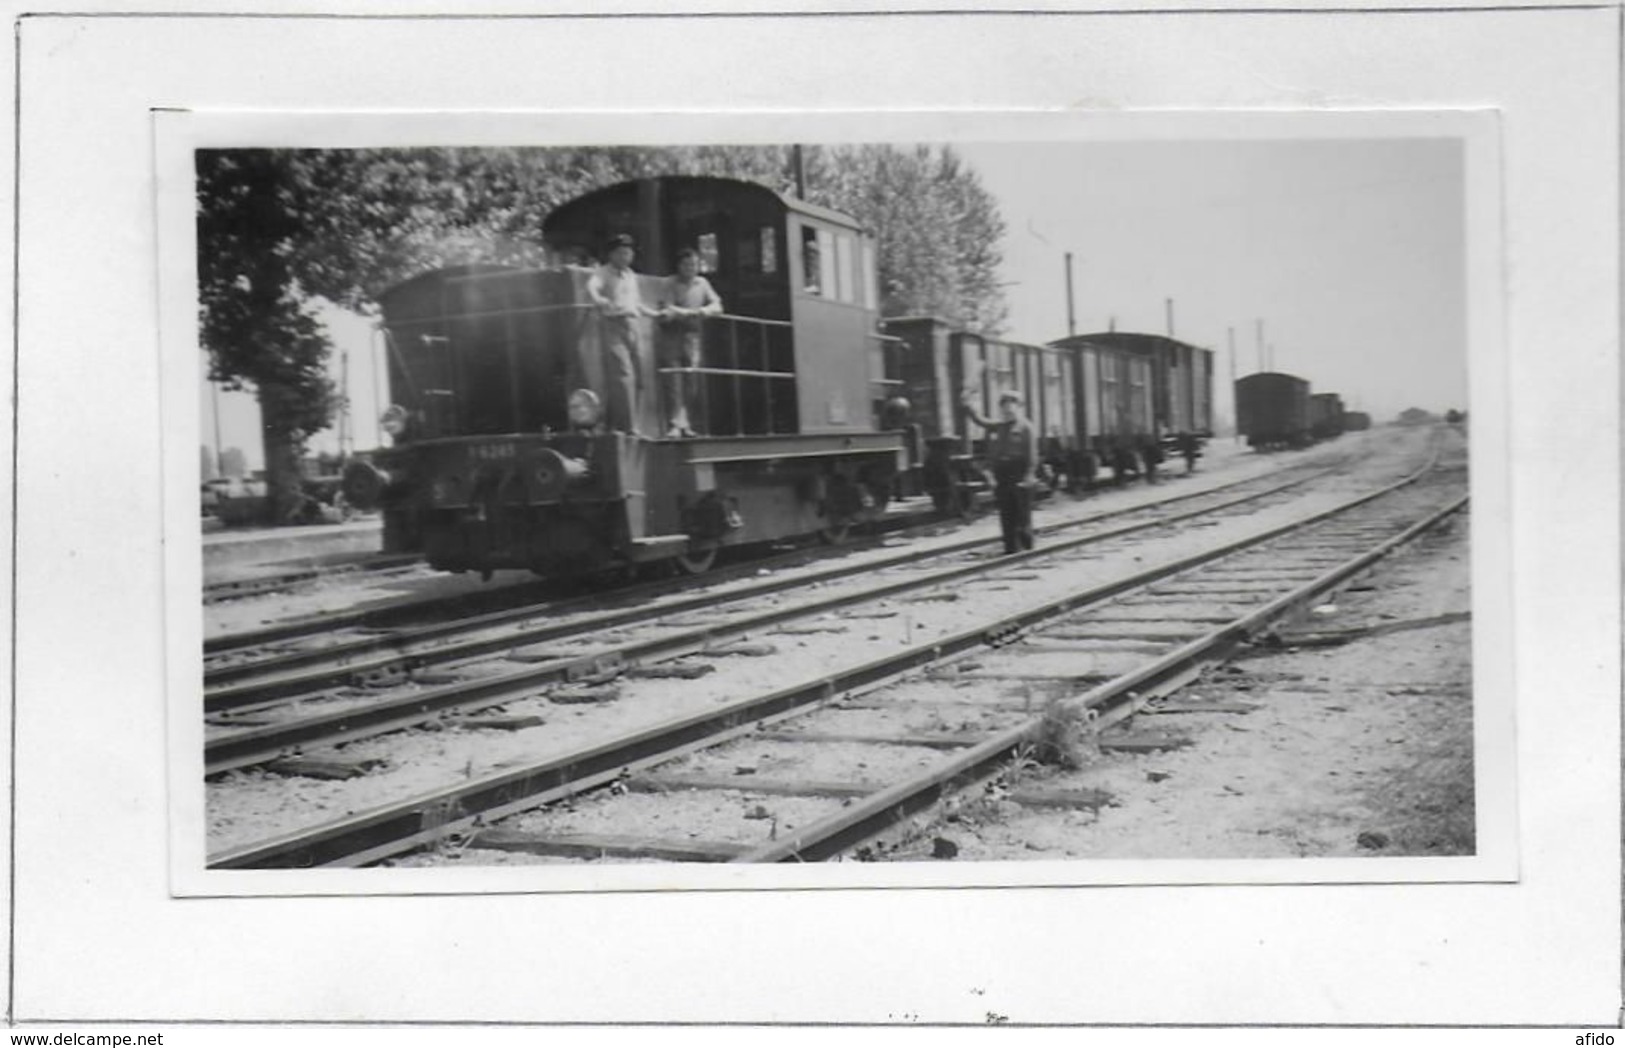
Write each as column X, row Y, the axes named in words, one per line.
column 1236, row 419
column 1261, row 366
column 1168, row 306
column 346, row 440
column 219, row 450
column 376, row 363
column 1071, row 316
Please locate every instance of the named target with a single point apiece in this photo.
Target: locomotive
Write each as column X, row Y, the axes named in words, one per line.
column 500, row 456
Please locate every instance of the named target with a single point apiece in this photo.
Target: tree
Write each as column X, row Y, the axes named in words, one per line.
column 233, row 463
column 253, row 319
column 938, row 228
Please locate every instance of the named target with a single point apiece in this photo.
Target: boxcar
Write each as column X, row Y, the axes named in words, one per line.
column 931, row 365
column 1118, row 406
column 1356, row 420
column 1181, row 382
column 501, row 458
column 1272, row 410
column 1092, row 404
column 1325, row 416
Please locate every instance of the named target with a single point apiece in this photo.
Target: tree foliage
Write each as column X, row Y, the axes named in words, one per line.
column 939, row 229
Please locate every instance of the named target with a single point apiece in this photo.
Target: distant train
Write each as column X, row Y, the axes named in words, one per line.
column 1277, row 410
column 1325, row 416
column 1113, row 401
column 1272, row 410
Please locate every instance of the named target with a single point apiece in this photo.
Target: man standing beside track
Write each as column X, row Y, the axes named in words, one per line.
column 614, row 290
column 1013, row 446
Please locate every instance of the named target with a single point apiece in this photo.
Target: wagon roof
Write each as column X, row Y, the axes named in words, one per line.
column 1272, row 376
column 1126, row 340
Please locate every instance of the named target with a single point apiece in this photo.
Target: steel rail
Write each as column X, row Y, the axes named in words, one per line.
column 257, row 745
column 344, row 662
column 392, row 829
column 1124, row 695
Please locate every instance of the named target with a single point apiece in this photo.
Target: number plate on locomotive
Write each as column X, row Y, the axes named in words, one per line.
column 493, row 451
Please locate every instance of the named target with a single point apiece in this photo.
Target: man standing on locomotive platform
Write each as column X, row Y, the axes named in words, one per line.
column 686, row 299
column 614, row 290
column 1013, row 444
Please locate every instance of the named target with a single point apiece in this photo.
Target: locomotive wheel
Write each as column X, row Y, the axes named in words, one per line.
column 696, row 562
column 836, row 534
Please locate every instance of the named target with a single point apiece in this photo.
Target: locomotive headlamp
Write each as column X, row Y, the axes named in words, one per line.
column 393, row 420
column 585, row 410
column 552, row 473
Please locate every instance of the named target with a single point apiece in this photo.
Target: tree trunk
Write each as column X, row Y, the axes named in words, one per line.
column 283, row 480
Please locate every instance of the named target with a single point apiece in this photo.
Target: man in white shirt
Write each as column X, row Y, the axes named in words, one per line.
column 613, row 288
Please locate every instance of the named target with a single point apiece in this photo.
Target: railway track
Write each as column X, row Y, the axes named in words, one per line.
column 1163, row 644
column 258, row 650
column 276, row 582
column 355, row 645
column 529, row 596
column 248, row 732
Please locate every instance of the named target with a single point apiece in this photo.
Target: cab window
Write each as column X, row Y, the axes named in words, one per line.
column 706, row 245
column 826, row 263
column 845, row 288
column 770, row 250
column 868, row 275
column 812, row 262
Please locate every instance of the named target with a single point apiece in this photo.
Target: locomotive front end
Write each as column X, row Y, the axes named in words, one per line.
column 499, row 458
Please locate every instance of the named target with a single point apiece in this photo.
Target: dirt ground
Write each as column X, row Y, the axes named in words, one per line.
column 1359, row 749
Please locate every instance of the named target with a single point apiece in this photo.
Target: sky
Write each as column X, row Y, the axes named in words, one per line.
column 1351, row 252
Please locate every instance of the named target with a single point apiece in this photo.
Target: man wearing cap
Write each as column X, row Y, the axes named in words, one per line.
column 1013, row 444
column 613, row 288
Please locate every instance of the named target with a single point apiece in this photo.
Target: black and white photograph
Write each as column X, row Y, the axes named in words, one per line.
column 879, row 502
column 539, row 517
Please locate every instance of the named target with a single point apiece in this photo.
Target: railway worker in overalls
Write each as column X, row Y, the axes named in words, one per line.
column 614, row 290
column 1013, row 444
column 686, row 299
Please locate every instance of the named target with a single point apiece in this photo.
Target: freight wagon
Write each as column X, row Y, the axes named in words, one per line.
column 1092, row 405
column 1325, row 416
column 1272, row 410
